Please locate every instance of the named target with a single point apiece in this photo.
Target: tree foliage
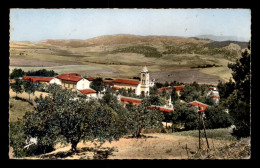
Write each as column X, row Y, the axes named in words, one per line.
column 239, row 100
column 216, row 117
column 142, row 117
column 42, row 72
column 63, row 117
column 17, row 73
column 29, row 87
column 97, row 84
column 186, row 116
column 17, row 86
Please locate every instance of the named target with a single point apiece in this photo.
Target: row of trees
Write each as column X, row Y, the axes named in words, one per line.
column 19, row 86
column 17, row 73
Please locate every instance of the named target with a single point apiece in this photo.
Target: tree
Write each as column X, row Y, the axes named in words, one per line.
column 239, row 100
column 156, row 100
column 29, row 87
column 216, row 117
column 97, row 84
column 185, row 116
column 17, row 139
column 63, row 117
column 17, row 73
column 174, row 95
column 241, row 74
column 142, row 117
column 17, row 86
column 225, row 89
column 42, row 72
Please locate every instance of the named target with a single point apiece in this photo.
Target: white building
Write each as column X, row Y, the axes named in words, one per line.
column 71, row 81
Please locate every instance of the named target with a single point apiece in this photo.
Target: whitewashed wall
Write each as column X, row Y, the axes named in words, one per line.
column 56, row 81
column 83, row 84
column 138, row 89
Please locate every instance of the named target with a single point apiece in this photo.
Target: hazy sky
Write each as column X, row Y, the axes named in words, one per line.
column 42, row 24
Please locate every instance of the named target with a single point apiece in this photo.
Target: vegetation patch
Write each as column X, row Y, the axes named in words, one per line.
column 220, row 134
column 147, row 51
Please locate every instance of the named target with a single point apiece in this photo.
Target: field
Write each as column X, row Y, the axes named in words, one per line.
column 123, row 56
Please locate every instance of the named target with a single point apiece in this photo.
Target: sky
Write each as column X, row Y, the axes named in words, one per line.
column 42, row 24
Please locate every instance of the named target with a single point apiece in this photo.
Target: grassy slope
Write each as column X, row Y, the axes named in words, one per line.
column 18, row 108
column 220, row 134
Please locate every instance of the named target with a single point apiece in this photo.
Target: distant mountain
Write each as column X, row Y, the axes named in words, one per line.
column 222, row 38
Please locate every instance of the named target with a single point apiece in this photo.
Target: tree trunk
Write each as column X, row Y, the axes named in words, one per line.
column 74, row 147
column 172, row 127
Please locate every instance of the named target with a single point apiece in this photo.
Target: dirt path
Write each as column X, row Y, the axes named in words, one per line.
column 156, row 146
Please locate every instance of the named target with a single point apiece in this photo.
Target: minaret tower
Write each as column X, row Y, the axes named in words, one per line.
column 145, row 81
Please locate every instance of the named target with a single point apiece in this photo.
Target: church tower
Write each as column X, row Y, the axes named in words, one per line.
column 145, row 83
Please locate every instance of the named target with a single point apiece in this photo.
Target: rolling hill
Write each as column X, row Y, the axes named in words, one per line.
column 122, row 55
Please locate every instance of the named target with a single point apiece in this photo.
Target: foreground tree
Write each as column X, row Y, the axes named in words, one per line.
column 239, row 100
column 63, row 117
column 142, row 117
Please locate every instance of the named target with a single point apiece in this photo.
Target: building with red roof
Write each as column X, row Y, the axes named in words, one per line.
column 88, row 92
column 135, row 101
column 160, row 90
column 39, row 79
column 90, row 79
column 162, row 109
column 214, row 94
column 108, row 82
column 71, row 81
column 127, row 84
column 201, row 106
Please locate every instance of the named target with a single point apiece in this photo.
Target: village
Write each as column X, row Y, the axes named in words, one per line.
column 81, row 85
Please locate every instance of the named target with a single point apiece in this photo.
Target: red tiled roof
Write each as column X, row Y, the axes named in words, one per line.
column 115, row 88
column 132, row 100
column 202, row 106
column 178, row 88
column 108, row 82
column 74, row 74
column 127, row 81
column 90, row 79
column 87, row 91
column 215, row 97
column 162, row 109
column 37, row 79
column 162, row 89
column 70, row 77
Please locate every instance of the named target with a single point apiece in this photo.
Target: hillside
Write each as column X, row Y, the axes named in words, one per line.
column 123, row 55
